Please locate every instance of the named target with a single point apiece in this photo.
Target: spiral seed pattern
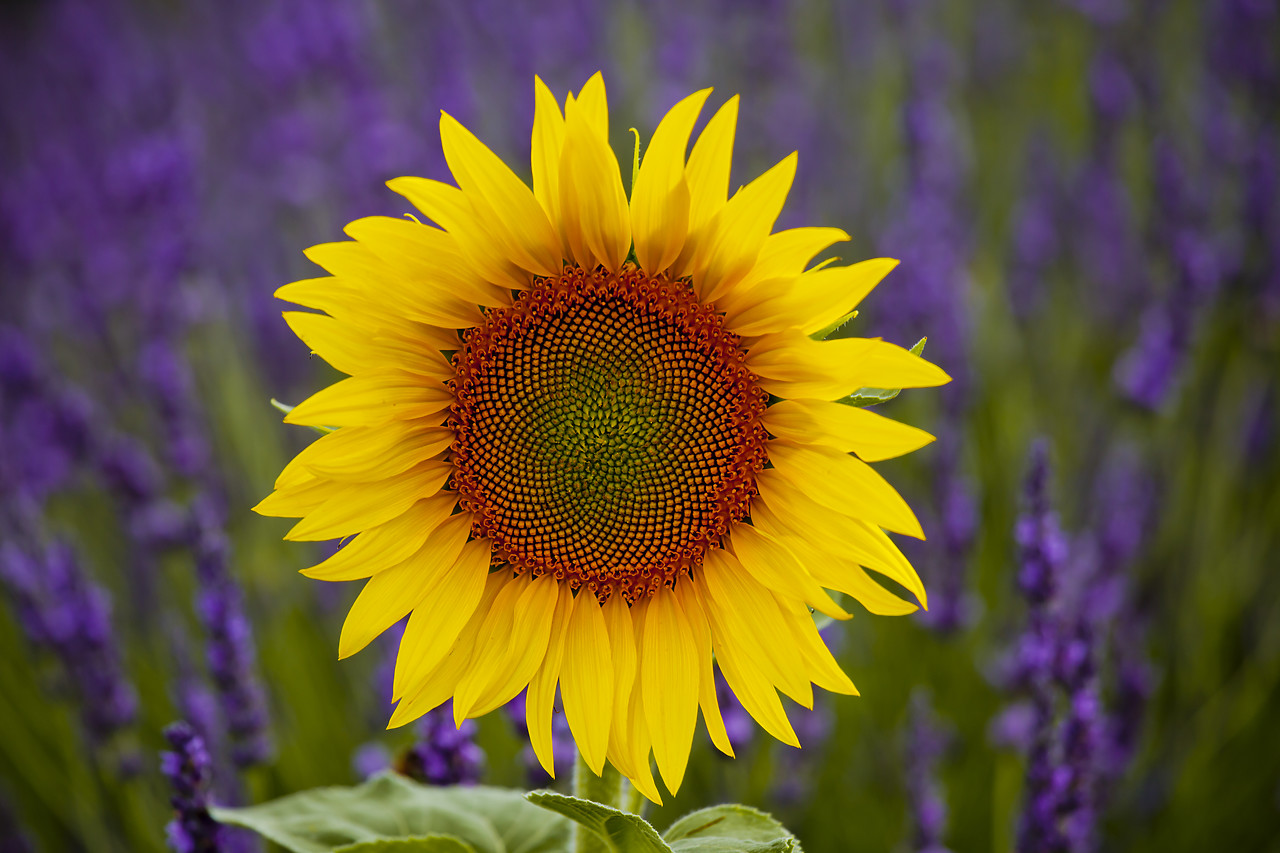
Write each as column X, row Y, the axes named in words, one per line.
column 606, row 430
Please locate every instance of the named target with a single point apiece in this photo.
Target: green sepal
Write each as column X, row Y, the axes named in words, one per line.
column 286, row 408
column 425, row 844
column 621, row 832
column 390, row 807
column 730, row 829
column 871, row 396
column 832, row 328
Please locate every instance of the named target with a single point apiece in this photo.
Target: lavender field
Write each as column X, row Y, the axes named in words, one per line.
column 1085, row 199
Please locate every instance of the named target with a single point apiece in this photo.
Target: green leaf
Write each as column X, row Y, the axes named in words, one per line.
column 871, row 396
column 286, row 408
column 730, row 829
column 391, row 807
column 719, row 844
column 425, row 844
column 622, row 832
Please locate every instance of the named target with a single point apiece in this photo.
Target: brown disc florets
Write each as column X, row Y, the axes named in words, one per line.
column 606, row 430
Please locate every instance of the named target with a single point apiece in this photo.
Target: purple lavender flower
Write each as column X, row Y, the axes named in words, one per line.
column 230, row 653
column 1242, row 43
column 1041, row 554
column 63, row 612
column 168, row 379
column 444, row 754
column 370, row 759
column 188, row 769
column 926, row 743
column 19, row 366
column 951, row 605
column 1036, row 229
column 1042, row 547
column 1126, row 506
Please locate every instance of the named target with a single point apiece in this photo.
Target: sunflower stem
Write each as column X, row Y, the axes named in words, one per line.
column 605, row 789
column 633, row 802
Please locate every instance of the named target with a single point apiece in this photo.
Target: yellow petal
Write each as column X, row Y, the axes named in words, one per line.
column 586, row 680
column 358, row 264
column 840, row 571
column 540, row 696
column 389, row 449
column 810, row 302
column 784, row 256
column 388, row 596
column 821, row 667
column 351, row 449
column 830, row 293
column 749, row 621
column 350, row 303
column 431, row 687
column 707, row 174
column 843, row 483
column 548, row 142
column 371, row 399
column 708, row 701
column 739, row 231
column 838, row 537
column 448, row 207
column 491, row 646
column 390, row 543
column 637, row 737
column 358, row 506
column 791, row 365
column 453, row 579
column 849, row 429
column 593, row 206
column 622, row 652
column 520, row 646
column 427, row 257
column 669, row 671
column 754, row 690
column 593, row 105
column 502, row 202
column 660, row 198
column 774, row 566
column 340, row 345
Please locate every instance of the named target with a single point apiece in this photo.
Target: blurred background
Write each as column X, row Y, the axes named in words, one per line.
column 1083, row 194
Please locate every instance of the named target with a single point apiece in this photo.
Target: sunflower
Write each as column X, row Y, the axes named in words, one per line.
column 591, row 442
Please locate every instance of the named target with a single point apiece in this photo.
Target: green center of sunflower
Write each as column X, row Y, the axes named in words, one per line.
column 607, row 430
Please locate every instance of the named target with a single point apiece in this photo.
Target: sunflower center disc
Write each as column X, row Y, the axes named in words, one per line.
column 607, row 430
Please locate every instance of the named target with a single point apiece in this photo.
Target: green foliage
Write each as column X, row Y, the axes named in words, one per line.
column 391, row 807
column 721, row 829
column 425, row 844
column 391, row 814
column 621, row 832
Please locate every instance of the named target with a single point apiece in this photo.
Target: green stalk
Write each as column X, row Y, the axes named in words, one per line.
column 606, row 790
column 633, row 802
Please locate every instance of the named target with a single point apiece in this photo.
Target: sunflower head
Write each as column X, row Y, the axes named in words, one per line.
column 588, row 444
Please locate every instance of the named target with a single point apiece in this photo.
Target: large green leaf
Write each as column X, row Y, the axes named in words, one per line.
column 425, row 844
column 389, row 807
column 622, row 832
column 729, row 829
